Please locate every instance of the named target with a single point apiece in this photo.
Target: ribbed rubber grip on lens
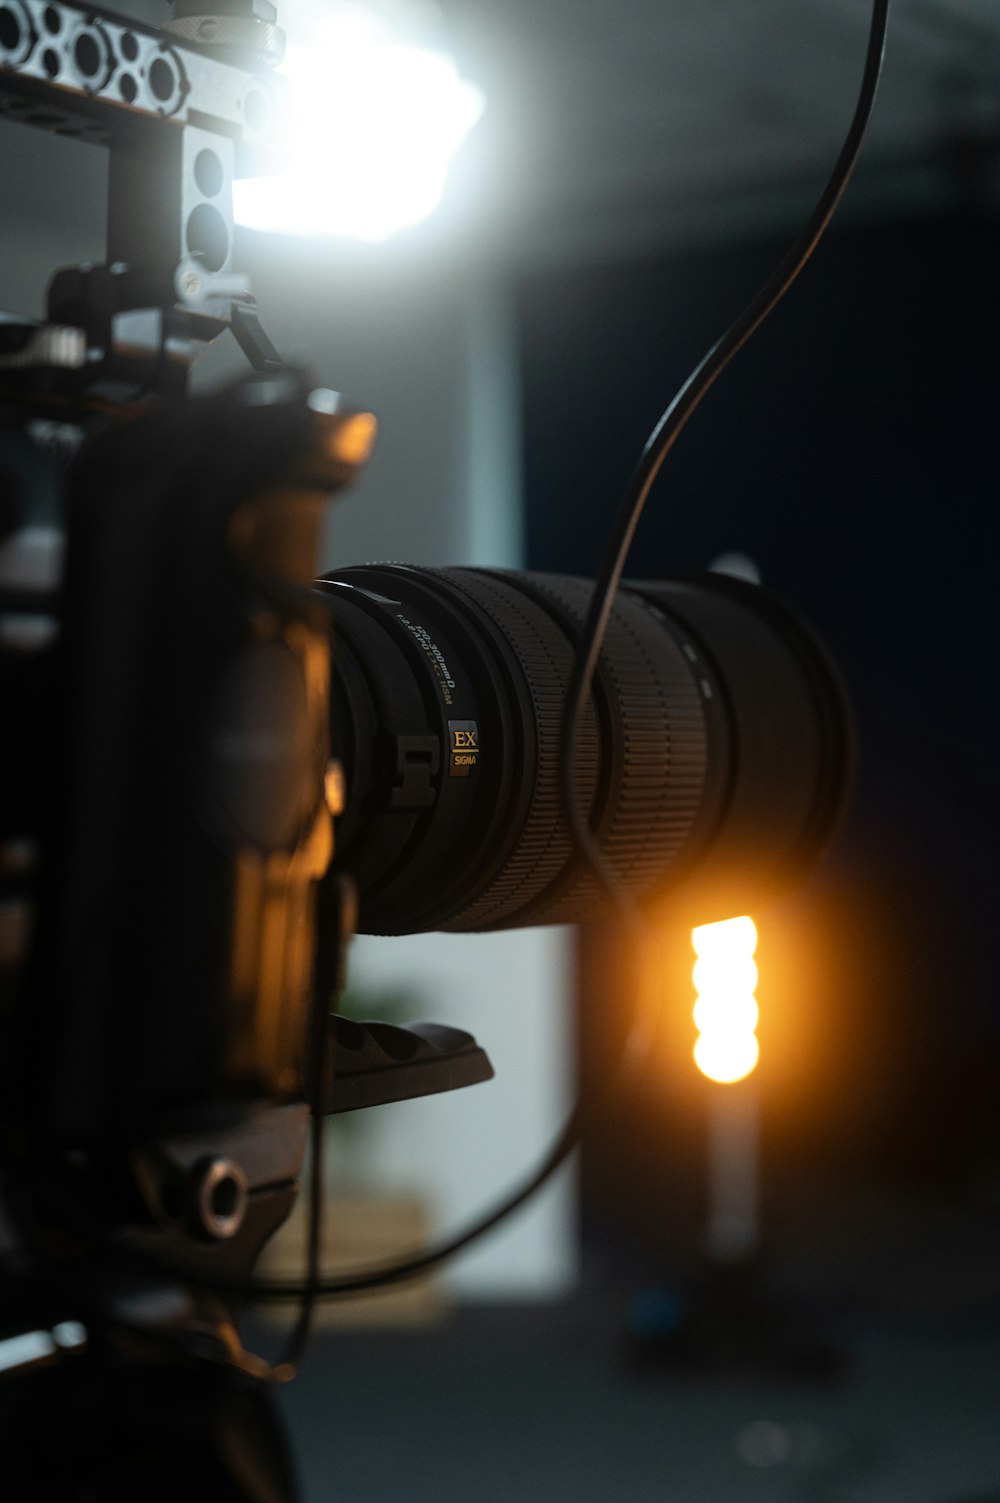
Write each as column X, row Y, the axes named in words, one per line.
column 643, row 779
column 653, row 762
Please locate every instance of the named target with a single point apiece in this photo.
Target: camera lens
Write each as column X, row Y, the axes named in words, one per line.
column 714, row 762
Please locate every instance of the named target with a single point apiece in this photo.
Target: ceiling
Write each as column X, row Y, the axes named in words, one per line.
column 618, row 120
column 618, row 126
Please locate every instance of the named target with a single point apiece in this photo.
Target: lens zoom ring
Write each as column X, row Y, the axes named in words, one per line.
column 658, row 785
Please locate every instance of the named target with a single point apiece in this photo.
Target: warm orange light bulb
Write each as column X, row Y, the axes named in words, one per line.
column 726, row 1012
column 727, row 936
column 726, row 1060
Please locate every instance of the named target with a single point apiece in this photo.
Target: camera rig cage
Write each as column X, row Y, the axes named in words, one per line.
column 180, row 121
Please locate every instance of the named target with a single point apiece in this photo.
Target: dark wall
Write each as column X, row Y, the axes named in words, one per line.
column 851, row 450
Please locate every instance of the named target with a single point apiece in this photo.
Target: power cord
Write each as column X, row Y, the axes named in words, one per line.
column 642, row 1031
column 660, row 442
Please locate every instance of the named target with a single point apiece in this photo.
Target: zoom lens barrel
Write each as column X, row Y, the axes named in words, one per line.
column 714, row 763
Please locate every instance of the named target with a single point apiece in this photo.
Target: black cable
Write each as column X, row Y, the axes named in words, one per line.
column 595, row 629
column 307, row 1295
column 642, row 1029
column 336, row 913
column 661, row 441
column 365, row 1279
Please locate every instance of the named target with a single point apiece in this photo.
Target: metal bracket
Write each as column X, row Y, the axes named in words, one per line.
column 374, row 1063
column 181, row 123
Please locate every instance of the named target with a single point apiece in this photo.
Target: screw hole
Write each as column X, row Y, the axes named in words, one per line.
column 10, row 29
column 207, row 237
column 226, row 1198
column 208, row 172
column 161, row 79
column 87, row 55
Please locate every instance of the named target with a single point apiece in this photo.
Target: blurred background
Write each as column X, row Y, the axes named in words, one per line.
column 635, row 171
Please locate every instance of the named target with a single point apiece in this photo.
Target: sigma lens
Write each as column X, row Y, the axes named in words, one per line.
column 714, row 763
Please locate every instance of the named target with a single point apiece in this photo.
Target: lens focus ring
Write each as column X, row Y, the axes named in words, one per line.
column 654, row 747
column 642, row 780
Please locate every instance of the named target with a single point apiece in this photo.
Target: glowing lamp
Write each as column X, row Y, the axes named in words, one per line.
column 726, row 1012
column 374, row 122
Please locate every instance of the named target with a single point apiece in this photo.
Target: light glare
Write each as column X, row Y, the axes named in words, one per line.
column 732, row 1014
column 372, row 127
column 726, row 1011
column 735, row 936
column 725, row 972
column 726, row 1060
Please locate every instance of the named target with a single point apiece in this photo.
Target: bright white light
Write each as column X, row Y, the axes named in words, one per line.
column 726, row 1012
column 726, row 1060
column 725, row 971
column 726, row 937
column 373, row 125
